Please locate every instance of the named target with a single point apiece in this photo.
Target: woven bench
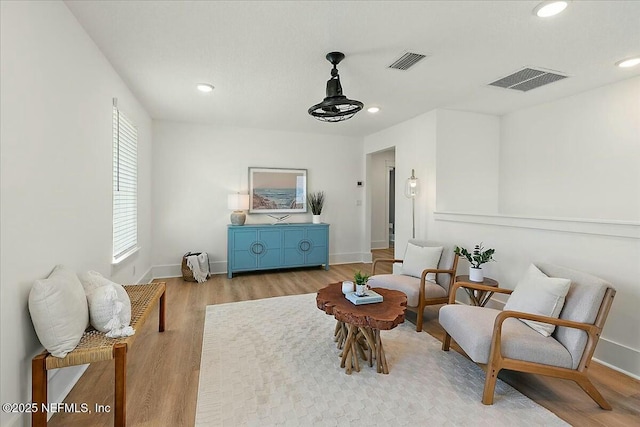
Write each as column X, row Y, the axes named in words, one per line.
column 96, row 347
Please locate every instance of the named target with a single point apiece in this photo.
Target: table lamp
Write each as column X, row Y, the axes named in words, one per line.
column 238, row 203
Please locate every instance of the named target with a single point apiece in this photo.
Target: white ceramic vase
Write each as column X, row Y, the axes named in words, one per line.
column 316, row 219
column 475, row 274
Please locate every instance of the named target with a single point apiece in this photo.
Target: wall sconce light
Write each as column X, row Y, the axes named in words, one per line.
column 411, row 191
column 238, row 203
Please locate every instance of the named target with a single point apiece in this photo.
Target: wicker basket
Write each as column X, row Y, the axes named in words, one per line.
column 187, row 274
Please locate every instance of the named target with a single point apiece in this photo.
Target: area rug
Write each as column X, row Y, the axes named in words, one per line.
column 274, row 362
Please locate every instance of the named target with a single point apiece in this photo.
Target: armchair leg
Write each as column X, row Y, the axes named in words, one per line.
column 593, row 393
column 419, row 320
column 490, row 385
column 446, row 341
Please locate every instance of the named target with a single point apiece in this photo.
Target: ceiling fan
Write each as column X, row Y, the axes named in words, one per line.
column 335, row 107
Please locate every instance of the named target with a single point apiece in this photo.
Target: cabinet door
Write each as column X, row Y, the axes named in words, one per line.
column 243, row 256
column 317, row 253
column 267, row 248
column 293, row 255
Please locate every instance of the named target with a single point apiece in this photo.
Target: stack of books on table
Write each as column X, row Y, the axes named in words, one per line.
column 369, row 297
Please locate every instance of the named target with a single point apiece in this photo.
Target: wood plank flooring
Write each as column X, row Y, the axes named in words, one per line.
column 163, row 368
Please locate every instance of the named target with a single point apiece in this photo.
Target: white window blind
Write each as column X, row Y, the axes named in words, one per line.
column 125, row 185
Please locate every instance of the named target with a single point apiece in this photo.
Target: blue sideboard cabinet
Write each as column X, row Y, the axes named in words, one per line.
column 264, row 247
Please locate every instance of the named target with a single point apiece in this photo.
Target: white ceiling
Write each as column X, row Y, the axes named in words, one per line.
column 267, row 59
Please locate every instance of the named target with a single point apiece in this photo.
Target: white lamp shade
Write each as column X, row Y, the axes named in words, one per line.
column 238, row 202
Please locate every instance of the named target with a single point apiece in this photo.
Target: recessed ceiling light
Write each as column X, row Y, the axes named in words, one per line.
column 630, row 62
column 550, row 8
column 373, row 110
column 204, row 87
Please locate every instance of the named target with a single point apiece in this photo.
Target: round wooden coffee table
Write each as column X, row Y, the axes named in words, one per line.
column 365, row 320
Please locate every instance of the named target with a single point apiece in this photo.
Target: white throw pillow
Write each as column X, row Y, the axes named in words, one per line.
column 536, row 293
column 109, row 305
column 419, row 258
column 59, row 312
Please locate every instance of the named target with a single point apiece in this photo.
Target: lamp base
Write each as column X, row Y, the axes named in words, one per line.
column 238, row 218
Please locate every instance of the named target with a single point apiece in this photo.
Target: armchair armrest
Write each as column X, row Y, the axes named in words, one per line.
column 434, row 270
column 383, row 260
column 496, row 339
column 504, row 315
column 479, row 287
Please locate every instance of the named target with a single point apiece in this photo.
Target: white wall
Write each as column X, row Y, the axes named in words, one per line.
column 516, row 149
column 56, row 108
column 467, row 161
column 197, row 166
column 415, row 145
column 378, row 180
column 576, row 157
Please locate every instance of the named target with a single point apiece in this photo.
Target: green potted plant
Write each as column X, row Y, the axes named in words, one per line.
column 476, row 258
column 316, row 202
column 361, row 283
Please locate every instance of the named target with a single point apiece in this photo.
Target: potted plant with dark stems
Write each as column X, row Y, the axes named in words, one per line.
column 316, row 202
column 476, row 258
column 361, row 283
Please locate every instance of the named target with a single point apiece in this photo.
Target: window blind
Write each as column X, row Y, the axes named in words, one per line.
column 125, row 185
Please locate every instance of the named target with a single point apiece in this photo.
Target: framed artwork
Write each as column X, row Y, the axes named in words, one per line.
column 274, row 190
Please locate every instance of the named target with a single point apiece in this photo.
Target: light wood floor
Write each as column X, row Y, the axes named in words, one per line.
column 163, row 368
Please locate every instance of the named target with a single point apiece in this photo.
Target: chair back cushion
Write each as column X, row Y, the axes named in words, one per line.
column 419, row 258
column 536, row 293
column 446, row 261
column 582, row 304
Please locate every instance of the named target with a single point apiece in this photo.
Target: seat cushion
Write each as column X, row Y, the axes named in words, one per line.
column 472, row 328
column 409, row 285
column 536, row 293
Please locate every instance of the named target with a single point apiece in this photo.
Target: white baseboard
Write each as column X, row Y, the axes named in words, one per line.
column 61, row 381
column 618, row 357
column 175, row 270
column 379, row 244
column 147, row 277
column 347, row 258
column 220, row 267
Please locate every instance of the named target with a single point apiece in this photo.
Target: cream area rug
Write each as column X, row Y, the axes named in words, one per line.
column 274, row 362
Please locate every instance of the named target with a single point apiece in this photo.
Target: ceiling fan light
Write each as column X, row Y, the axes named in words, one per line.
column 335, row 107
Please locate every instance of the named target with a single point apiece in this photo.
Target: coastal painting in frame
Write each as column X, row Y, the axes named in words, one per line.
column 277, row 190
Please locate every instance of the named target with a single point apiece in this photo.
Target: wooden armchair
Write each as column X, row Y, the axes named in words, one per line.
column 420, row 291
column 498, row 340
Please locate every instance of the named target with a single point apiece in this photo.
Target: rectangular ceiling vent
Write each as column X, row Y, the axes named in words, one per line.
column 527, row 79
column 407, row 61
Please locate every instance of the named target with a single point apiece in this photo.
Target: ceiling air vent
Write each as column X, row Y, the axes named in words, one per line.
column 527, row 79
column 407, row 61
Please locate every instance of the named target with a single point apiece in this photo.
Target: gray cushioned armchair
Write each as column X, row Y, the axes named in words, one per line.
column 420, row 292
column 499, row 340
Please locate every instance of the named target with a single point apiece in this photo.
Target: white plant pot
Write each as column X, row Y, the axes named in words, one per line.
column 316, row 219
column 475, row 274
column 361, row 290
